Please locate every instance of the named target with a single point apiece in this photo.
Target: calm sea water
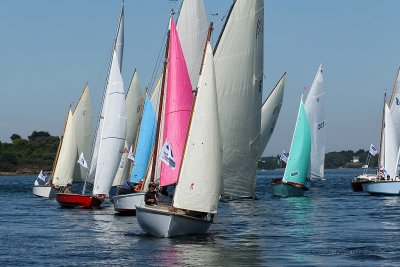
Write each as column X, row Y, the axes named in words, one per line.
column 331, row 226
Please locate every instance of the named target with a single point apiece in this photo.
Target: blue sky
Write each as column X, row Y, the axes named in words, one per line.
column 50, row 49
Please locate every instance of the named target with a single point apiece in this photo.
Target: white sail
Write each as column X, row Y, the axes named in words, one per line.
column 118, row 49
column 315, row 108
column 83, row 129
column 199, row 183
column 391, row 144
column 239, row 71
column 112, row 136
column 192, row 29
column 270, row 111
column 67, row 156
column 395, row 104
column 133, row 102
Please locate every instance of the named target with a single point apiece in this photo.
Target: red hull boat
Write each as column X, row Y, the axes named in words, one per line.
column 76, row 200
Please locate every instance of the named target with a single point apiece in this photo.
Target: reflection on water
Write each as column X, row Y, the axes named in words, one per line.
column 330, row 226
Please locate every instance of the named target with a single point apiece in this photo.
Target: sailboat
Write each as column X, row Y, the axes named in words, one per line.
column 110, row 136
column 126, row 203
column 195, row 195
column 307, row 151
column 393, row 117
column 64, row 164
column 387, row 181
column 239, row 59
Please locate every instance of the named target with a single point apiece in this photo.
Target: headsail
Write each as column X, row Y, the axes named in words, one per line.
column 178, row 105
column 315, row 108
column 270, row 111
column 391, row 144
column 299, row 155
column 200, row 180
column 238, row 61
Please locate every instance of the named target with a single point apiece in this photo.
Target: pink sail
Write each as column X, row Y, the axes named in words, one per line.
column 178, row 106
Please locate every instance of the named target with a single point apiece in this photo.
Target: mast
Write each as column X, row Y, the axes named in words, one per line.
column 382, row 128
column 394, row 88
column 153, row 169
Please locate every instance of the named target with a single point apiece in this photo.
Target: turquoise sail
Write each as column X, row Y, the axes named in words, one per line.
column 145, row 142
column 300, row 149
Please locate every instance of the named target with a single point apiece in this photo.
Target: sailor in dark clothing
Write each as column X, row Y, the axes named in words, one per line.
column 151, row 196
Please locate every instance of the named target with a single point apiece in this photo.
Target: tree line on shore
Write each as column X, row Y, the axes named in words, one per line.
column 39, row 150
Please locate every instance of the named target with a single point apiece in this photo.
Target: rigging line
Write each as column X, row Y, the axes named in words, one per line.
column 158, row 62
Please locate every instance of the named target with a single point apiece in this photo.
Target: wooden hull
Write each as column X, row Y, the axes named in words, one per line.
column 389, row 188
column 126, row 204
column 44, row 191
column 288, row 189
column 76, row 200
column 161, row 222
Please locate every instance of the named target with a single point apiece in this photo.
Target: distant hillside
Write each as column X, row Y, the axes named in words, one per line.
column 333, row 160
column 28, row 156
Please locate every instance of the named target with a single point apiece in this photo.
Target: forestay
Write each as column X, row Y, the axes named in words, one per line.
column 315, row 108
column 112, row 136
column 199, row 183
column 239, row 72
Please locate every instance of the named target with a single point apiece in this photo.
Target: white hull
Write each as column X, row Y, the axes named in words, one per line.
column 44, row 191
column 127, row 203
column 382, row 188
column 159, row 221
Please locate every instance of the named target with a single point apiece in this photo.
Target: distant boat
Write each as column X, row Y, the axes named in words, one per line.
column 386, row 182
column 365, row 166
column 379, row 184
column 110, row 136
column 75, row 139
column 307, row 152
column 196, row 171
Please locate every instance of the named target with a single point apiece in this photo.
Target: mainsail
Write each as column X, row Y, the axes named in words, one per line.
column 199, row 182
column 315, row 108
column 270, row 111
column 118, row 50
column 238, row 60
column 391, row 144
column 133, row 103
column 112, row 136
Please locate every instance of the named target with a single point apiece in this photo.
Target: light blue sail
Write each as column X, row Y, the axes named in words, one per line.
column 299, row 155
column 145, row 142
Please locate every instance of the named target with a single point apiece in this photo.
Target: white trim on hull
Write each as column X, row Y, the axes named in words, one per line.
column 159, row 221
column 44, row 191
column 127, row 203
column 391, row 188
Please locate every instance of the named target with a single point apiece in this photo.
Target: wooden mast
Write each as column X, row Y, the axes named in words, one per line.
column 153, row 168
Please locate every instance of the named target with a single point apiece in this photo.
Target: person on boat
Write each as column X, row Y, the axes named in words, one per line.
column 388, row 177
column 68, row 189
column 151, row 196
